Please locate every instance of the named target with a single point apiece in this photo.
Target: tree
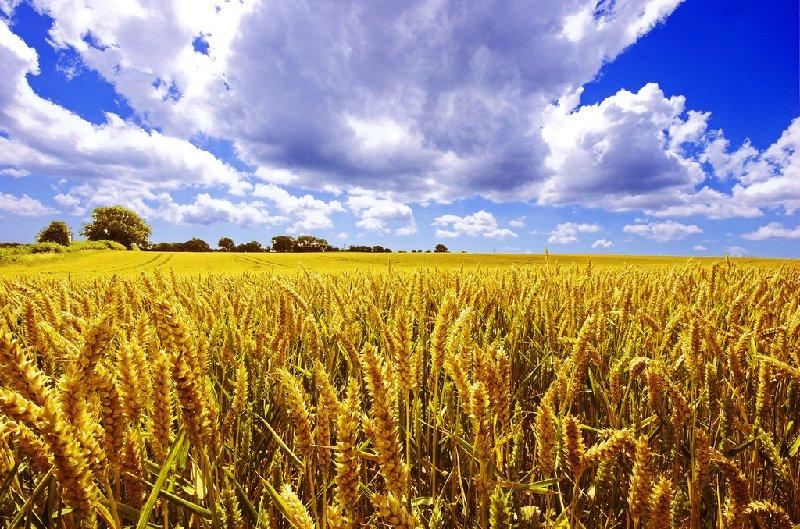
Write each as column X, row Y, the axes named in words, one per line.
column 116, row 223
column 57, row 232
column 196, row 245
column 309, row 243
column 282, row 243
column 226, row 244
column 250, row 247
column 441, row 248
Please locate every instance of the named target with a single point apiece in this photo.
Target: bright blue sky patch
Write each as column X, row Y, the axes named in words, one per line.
column 631, row 127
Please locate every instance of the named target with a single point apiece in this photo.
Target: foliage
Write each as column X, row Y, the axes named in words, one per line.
column 57, row 231
column 47, row 247
column 95, row 245
column 545, row 396
column 368, row 249
column 119, row 224
column 282, row 243
column 441, row 248
column 250, row 247
column 226, row 244
column 309, row 243
column 192, row 245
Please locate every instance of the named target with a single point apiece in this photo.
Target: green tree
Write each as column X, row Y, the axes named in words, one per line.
column 116, row 223
column 57, row 232
column 250, row 247
column 309, row 243
column 196, row 245
column 441, row 248
column 226, row 244
column 282, row 243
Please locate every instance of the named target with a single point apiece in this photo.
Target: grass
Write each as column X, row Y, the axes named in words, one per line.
column 126, row 264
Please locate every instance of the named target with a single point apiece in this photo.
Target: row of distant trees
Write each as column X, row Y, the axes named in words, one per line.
column 116, row 223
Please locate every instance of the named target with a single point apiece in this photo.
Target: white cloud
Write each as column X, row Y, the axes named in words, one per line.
column 14, row 172
column 414, row 103
column 113, row 157
column 699, row 248
column 24, row 206
column 429, row 100
column 663, row 231
column 622, row 153
column 773, row 230
column 481, row 223
column 736, row 251
column 568, row 232
column 311, row 213
column 208, row 210
column 381, row 212
column 603, row 244
column 517, row 223
column 709, row 203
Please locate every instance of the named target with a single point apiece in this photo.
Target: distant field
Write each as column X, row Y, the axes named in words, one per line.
column 100, row 263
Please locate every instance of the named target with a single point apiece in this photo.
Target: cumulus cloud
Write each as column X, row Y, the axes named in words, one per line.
column 699, row 248
column 381, row 212
column 568, row 232
column 773, row 230
column 481, row 223
column 13, row 172
column 411, row 102
column 602, row 244
column 622, row 153
column 24, row 206
column 209, row 210
column 766, row 180
column 736, row 251
column 113, row 157
column 518, row 223
column 430, row 100
column 663, row 231
column 311, row 213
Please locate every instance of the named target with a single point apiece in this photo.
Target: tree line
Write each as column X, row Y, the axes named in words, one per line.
column 122, row 225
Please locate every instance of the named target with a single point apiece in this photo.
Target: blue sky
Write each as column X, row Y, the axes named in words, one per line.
column 636, row 126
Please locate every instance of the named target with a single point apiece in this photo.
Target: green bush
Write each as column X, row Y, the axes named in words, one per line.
column 47, row 247
column 95, row 245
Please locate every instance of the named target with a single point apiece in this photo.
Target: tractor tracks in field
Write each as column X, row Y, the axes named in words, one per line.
column 157, row 262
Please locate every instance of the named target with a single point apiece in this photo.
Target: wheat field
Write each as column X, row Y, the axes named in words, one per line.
column 554, row 396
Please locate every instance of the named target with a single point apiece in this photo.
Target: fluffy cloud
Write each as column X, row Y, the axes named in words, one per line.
column 13, row 173
column 602, row 244
column 311, row 213
column 518, row 223
column 116, row 157
column 768, row 180
column 390, row 105
column 736, row 251
column 381, row 212
column 773, row 230
column 429, row 100
column 699, row 248
column 481, row 223
column 24, row 206
column 208, row 210
column 663, row 231
column 622, row 153
column 568, row 232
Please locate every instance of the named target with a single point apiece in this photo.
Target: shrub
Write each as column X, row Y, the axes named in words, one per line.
column 47, row 247
column 78, row 246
